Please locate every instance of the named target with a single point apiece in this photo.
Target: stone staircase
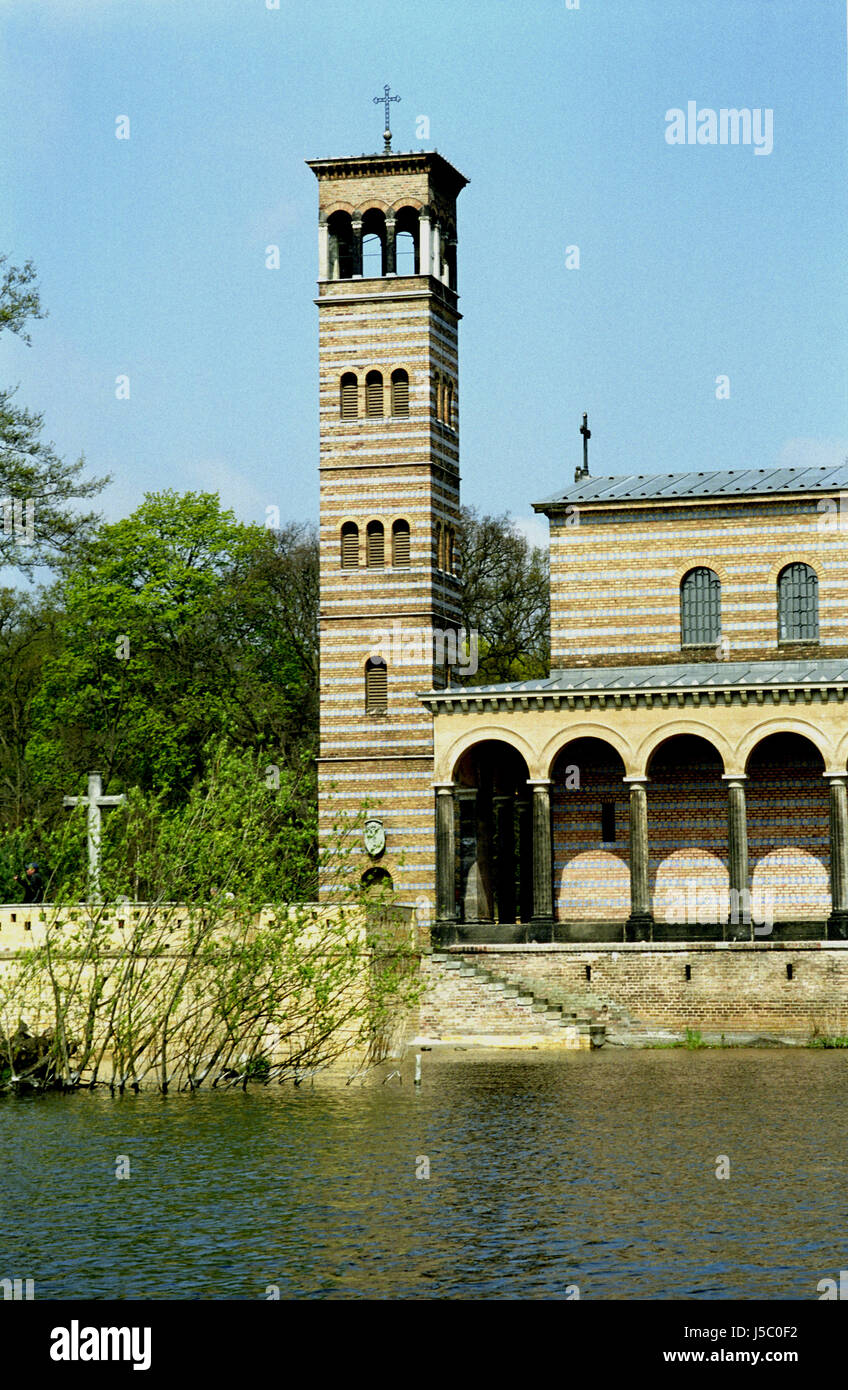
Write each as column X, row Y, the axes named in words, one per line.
column 466, row 1002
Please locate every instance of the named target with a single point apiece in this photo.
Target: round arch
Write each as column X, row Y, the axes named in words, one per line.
column 803, row 727
column 699, row 561
column 797, row 557
column 694, row 728
column 447, row 766
column 560, row 741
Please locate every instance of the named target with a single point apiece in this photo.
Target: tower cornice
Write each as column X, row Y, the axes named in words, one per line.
column 413, row 162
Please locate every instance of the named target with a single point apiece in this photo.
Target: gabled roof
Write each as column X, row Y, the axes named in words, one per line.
column 737, row 482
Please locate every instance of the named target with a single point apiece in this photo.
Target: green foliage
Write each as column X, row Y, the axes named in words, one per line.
column 505, row 597
column 30, row 467
column 194, row 967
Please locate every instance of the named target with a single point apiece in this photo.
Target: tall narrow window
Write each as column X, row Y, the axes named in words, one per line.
column 376, row 686
column 450, row 537
column 400, row 392
column 437, row 394
column 348, row 407
column 700, row 608
column 374, row 394
column 608, row 822
column 375, row 545
column 350, row 545
column 449, row 405
column 400, row 544
column 439, row 544
column 798, row 604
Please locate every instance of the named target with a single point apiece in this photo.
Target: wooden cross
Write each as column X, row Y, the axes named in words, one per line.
column 387, row 134
column 95, row 801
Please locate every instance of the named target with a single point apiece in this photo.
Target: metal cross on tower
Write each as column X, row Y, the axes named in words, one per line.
column 95, row 801
column 587, row 435
column 387, row 134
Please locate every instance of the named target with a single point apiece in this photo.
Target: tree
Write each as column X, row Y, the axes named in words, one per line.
column 37, row 487
column 213, row 977
column 176, row 625
column 505, row 597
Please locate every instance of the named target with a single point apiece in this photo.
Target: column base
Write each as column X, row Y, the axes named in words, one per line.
column 639, row 927
column 738, row 931
column 837, row 925
column 444, row 932
column 540, row 929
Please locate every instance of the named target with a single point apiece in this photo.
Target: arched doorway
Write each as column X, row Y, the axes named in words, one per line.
column 493, row 835
column 789, row 829
column 589, row 806
column 687, row 836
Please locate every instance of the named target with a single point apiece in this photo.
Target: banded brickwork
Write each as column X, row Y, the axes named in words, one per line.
column 616, row 572
column 389, row 499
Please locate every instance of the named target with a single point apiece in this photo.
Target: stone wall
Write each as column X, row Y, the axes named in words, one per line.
column 731, row 987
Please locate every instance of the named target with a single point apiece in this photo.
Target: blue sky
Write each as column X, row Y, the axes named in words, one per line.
column 695, row 261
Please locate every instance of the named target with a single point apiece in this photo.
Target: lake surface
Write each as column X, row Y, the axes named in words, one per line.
column 591, row 1169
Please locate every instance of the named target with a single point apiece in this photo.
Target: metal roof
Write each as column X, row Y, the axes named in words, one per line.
column 698, row 675
column 637, row 487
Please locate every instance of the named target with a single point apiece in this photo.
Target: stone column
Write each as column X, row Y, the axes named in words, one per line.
column 525, row 859
column 436, row 264
column 425, row 244
column 640, row 923
column 445, row 857
column 356, row 249
column 740, row 923
column 504, row 858
column 837, row 922
column 543, row 898
column 391, row 252
column 323, row 251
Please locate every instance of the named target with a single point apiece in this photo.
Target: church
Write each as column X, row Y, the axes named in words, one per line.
column 681, row 774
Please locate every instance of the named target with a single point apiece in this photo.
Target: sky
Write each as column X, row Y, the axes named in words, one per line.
column 706, row 325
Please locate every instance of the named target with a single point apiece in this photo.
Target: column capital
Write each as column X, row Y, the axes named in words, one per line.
column 636, row 779
column 501, row 797
column 734, row 777
column 443, row 786
column 465, row 793
column 540, row 781
column 836, row 776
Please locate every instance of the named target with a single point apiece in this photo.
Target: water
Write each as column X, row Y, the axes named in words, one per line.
column 589, row 1169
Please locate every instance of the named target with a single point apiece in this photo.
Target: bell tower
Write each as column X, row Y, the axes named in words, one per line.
column 389, row 475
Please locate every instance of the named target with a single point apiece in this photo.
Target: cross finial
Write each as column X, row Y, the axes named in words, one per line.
column 387, row 134
column 587, row 435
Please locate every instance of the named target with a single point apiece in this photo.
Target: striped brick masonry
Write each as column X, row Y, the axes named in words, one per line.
column 389, row 458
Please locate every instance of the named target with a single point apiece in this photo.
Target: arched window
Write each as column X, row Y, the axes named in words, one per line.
column 376, row 686
column 406, row 242
column 350, row 545
column 374, row 393
column 700, row 608
column 437, row 394
column 377, row 877
column 375, row 545
column 341, row 246
column 349, row 397
column 439, row 557
column 400, row 544
column 798, row 604
column 400, row 392
column 450, row 537
column 449, row 405
column 373, row 243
